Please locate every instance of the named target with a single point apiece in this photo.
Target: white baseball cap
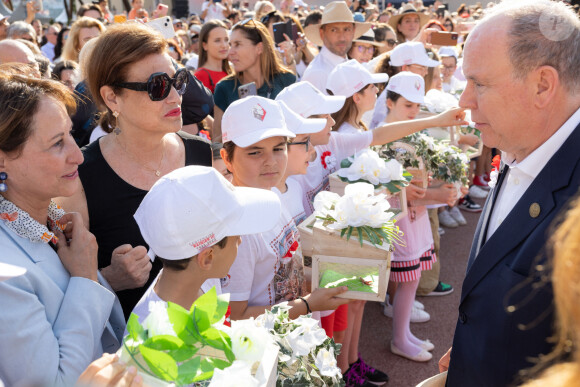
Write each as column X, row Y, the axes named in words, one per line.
column 253, row 119
column 195, row 207
column 350, row 77
column 306, row 100
column 411, row 53
column 409, row 85
column 447, row 52
column 300, row 125
column 8, row 271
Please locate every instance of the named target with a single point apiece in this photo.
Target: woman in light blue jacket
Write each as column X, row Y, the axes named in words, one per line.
column 59, row 316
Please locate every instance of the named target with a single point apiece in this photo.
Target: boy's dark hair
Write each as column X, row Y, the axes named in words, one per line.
column 182, row 264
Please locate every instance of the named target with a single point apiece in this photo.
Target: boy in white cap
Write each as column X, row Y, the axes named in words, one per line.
column 268, row 268
column 192, row 219
column 410, row 56
column 450, row 83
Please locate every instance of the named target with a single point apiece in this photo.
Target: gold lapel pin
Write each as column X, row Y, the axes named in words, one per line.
column 535, row 210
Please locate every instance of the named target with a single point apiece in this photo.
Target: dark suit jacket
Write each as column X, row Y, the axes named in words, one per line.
column 491, row 345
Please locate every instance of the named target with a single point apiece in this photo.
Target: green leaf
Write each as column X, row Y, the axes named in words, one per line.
column 204, row 309
column 345, row 163
column 392, row 187
column 182, row 323
column 360, row 236
column 223, row 300
column 349, row 233
column 342, row 232
column 160, row 363
column 188, row 371
column 216, row 338
column 164, row 342
column 136, row 331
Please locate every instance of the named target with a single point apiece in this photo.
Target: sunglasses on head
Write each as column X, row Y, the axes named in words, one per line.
column 158, row 86
column 244, row 22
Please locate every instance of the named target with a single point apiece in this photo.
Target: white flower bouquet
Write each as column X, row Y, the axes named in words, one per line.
column 366, row 166
column 307, row 356
column 361, row 210
column 176, row 346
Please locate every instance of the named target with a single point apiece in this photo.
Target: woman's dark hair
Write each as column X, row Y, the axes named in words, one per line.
column 203, row 37
column 115, row 51
column 380, row 30
column 20, row 98
column 43, row 63
column 270, row 62
column 182, row 264
column 61, row 66
column 59, row 42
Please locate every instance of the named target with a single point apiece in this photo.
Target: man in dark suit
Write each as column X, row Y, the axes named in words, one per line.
column 521, row 64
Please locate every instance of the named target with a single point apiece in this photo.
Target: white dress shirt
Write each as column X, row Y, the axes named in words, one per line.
column 317, row 71
column 521, row 174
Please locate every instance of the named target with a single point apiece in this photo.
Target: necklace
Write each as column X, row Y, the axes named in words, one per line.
column 157, row 171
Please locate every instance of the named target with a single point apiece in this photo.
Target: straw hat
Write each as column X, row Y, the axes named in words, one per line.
column 369, row 38
column 335, row 12
column 407, row 9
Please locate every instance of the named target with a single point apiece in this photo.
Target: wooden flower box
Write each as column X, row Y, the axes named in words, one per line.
column 366, row 267
column 397, row 200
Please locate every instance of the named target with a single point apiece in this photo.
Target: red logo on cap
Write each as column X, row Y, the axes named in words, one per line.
column 259, row 112
column 417, row 85
column 204, row 242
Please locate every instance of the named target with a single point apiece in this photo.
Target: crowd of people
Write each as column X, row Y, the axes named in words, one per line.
column 138, row 167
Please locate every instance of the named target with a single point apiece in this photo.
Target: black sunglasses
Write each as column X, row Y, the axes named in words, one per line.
column 392, row 42
column 159, row 85
column 305, row 142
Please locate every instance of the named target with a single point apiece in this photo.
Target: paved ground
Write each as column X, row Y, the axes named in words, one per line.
column 377, row 329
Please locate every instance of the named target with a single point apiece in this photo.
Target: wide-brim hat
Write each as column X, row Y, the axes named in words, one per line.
column 369, row 38
column 335, row 12
column 408, row 9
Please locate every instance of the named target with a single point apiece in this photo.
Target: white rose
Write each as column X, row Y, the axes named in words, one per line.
column 157, row 322
column 325, row 361
column 324, row 200
column 307, row 336
column 394, row 170
column 493, row 178
column 239, row 374
column 249, row 341
column 266, row 320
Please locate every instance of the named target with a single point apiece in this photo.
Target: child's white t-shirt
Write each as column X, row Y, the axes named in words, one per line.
column 268, row 268
column 292, row 200
column 347, row 128
column 328, row 158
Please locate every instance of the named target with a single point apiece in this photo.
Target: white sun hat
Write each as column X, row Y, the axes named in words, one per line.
column 409, row 85
column 306, row 100
column 195, row 207
column 300, row 125
column 253, row 119
column 411, row 53
column 350, row 77
column 8, row 271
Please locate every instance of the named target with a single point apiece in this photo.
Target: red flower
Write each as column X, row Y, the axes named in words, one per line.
column 323, row 158
column 495, row 162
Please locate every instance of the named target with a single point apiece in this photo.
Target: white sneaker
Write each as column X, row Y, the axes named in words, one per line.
column 418, row 305
column 456, row 214
column 478, row 193
column 446, row 220
column 417, row 315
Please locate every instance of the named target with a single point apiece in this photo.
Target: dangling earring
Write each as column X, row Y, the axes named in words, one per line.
column 3, row 177
column 117, row 130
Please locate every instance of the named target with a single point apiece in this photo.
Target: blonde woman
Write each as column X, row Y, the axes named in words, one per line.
column 83, row 30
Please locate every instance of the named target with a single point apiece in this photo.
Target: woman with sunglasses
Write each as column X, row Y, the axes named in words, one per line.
column 138, row 90
column 253, row 56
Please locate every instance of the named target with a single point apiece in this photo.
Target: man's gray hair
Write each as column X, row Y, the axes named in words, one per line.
column 542, row 33
column 19, row 28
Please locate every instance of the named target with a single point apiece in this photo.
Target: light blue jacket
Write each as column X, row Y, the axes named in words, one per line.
column 51, row 325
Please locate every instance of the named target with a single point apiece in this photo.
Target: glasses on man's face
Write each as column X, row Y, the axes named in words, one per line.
column 159, row 85
column 363, row 49
column 392, row 42
column 305, row 142
column 448, row 68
